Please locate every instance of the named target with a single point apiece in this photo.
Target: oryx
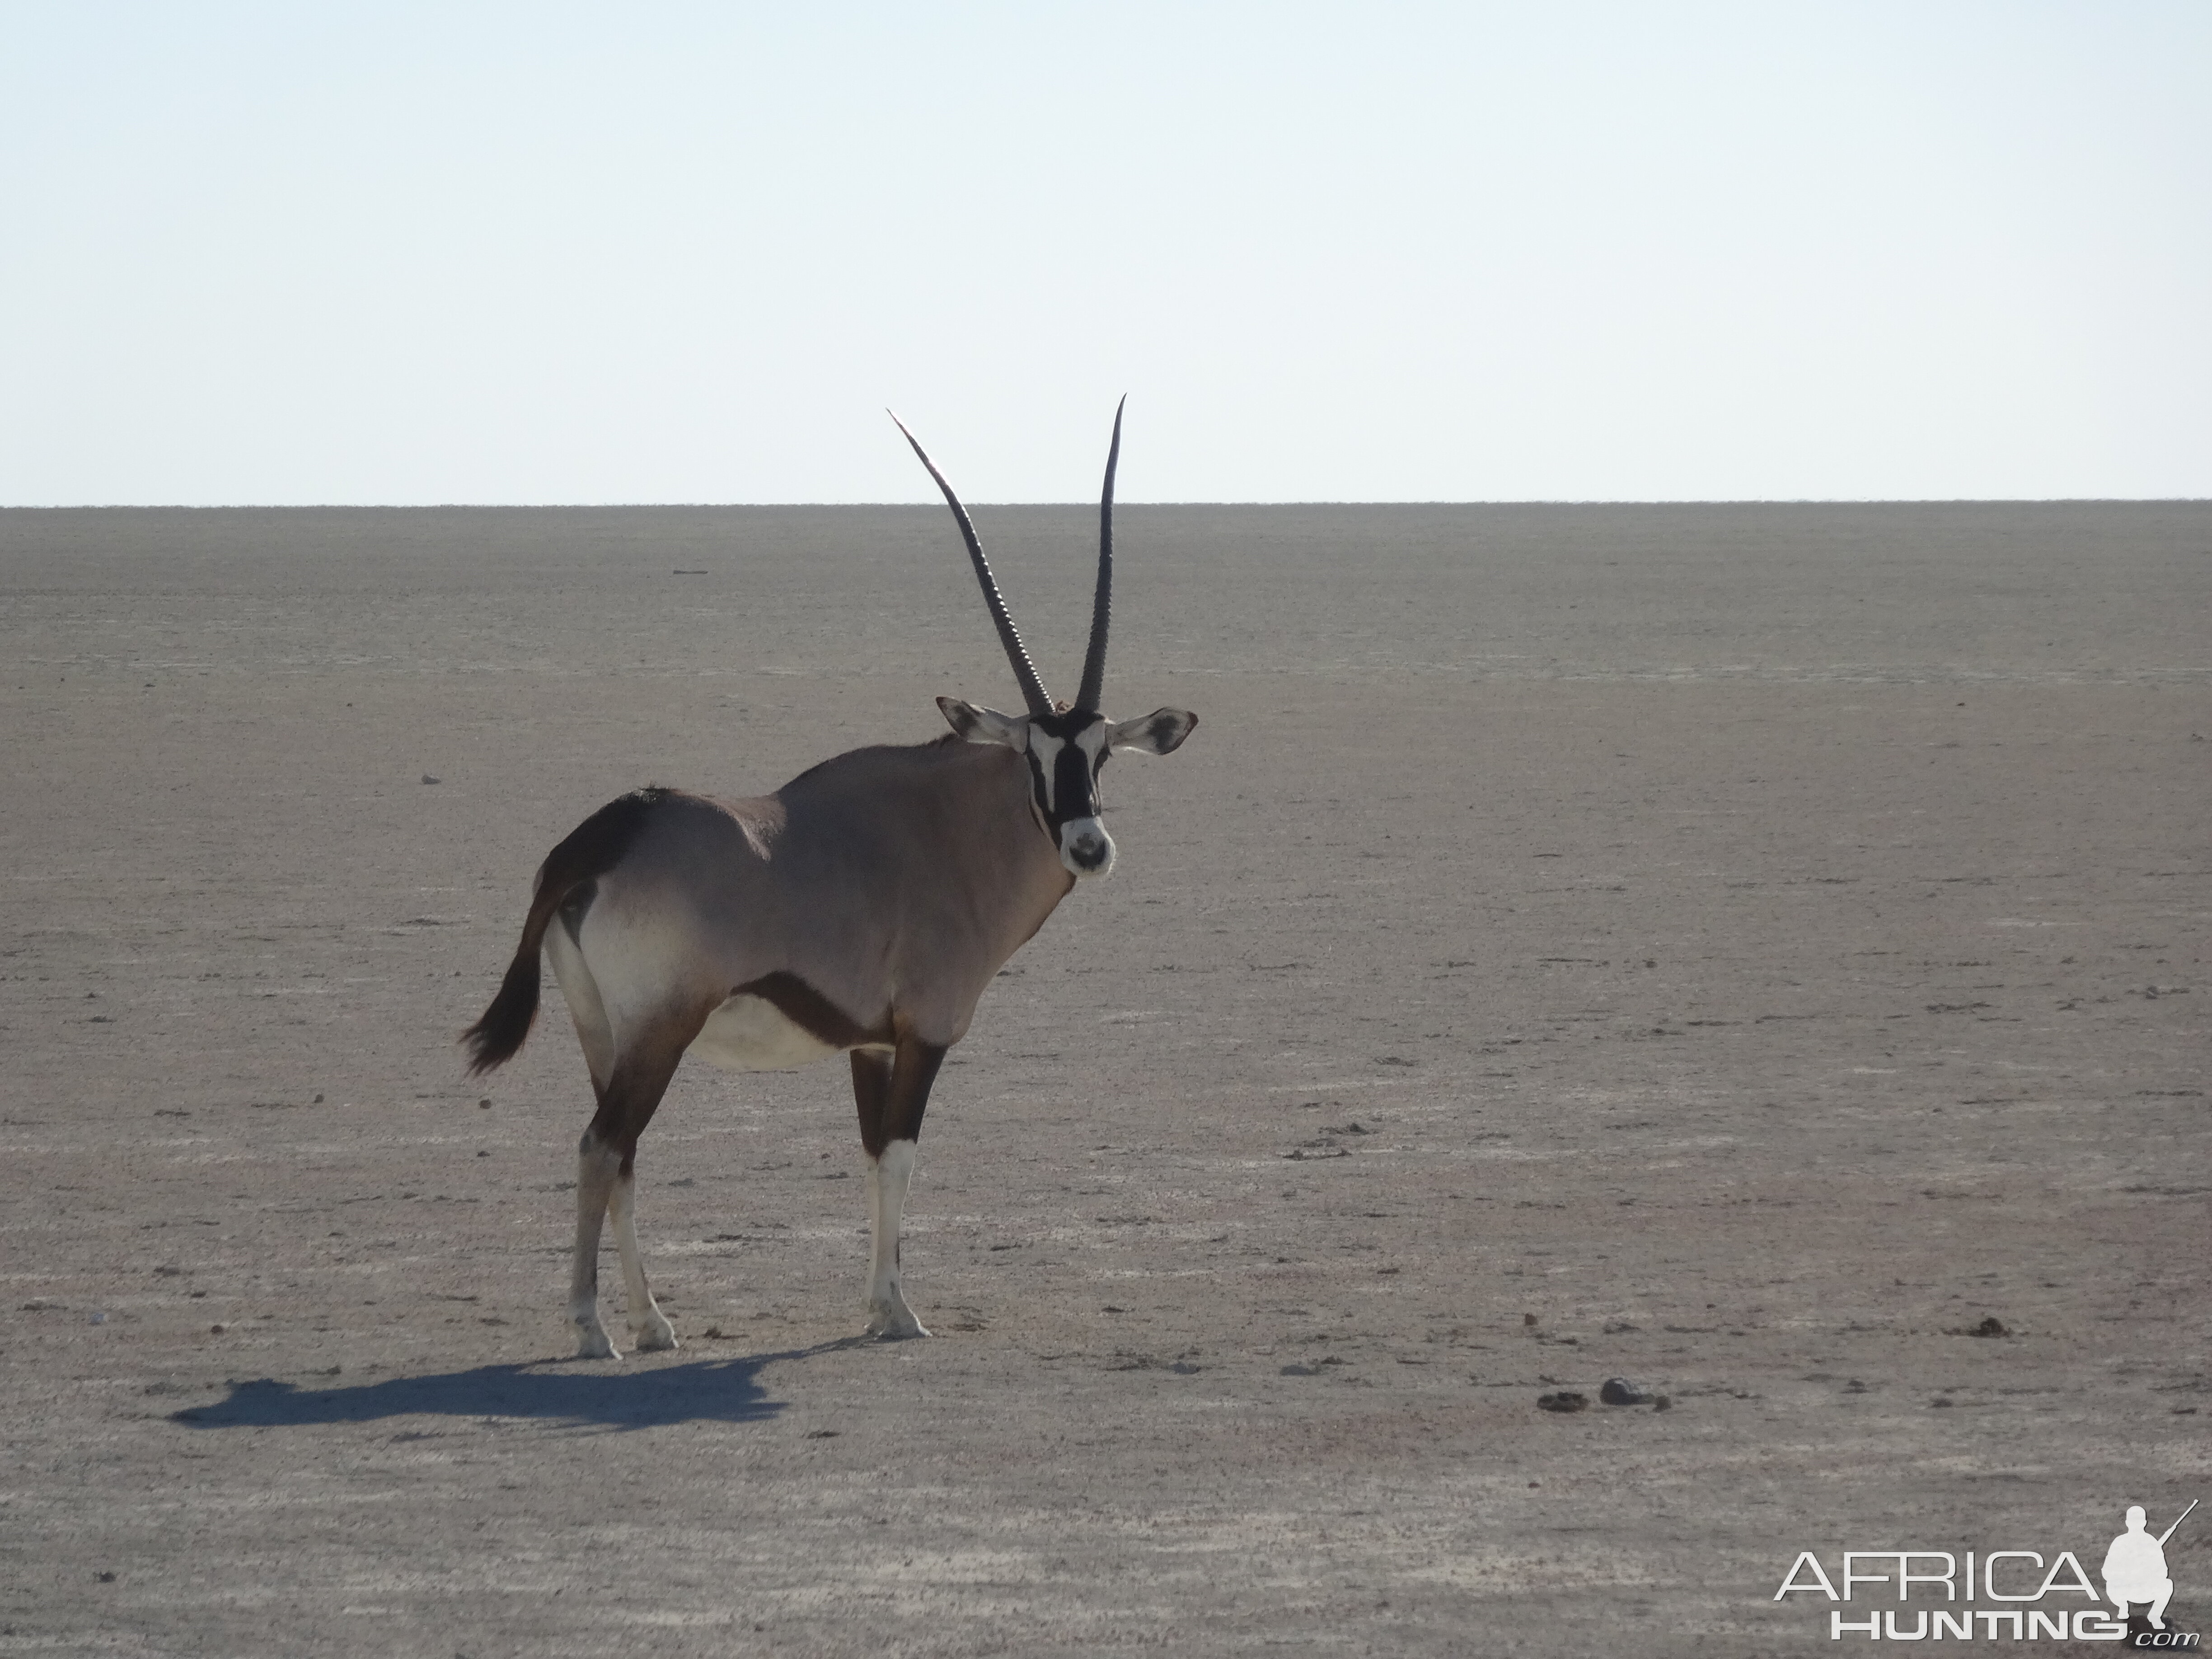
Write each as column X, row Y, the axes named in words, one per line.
column 863, row 907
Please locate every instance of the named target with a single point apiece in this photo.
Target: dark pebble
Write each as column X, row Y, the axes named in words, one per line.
column 1620, row 1391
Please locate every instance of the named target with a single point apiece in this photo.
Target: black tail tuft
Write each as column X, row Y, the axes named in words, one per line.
column 498, row 1036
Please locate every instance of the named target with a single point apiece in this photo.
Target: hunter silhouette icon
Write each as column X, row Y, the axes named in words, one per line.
column 2135, row 1566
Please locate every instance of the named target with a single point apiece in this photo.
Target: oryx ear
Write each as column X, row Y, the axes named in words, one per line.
column 1160, row 732
column 985, row 725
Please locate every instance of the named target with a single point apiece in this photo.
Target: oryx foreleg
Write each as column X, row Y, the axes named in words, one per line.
column 892, row 1092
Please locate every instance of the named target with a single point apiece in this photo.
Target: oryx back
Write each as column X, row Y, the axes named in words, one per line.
column 877, row 894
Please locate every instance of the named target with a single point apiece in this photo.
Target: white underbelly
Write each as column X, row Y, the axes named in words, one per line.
column 751, row 1034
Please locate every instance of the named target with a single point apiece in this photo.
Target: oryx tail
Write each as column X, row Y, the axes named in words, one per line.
column 592, row 849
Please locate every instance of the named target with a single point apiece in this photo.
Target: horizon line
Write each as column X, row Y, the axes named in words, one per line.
column 1533, row 501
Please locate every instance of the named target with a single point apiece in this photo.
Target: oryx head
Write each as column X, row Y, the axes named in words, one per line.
column 1066, row 746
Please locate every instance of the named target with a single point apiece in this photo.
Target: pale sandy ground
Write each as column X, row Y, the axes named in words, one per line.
column 1757, row 944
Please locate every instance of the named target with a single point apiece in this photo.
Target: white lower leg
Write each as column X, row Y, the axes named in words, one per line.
column 596, row 1166
column 647, row 1322
column 888, row 1176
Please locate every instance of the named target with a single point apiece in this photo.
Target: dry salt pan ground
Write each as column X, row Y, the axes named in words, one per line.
column 1746, row 950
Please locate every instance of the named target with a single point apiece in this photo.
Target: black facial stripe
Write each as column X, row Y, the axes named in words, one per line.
column 1071, row 790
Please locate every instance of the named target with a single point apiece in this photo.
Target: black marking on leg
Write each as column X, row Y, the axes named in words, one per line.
column 641, row 1077
column 914, row 1070
column 872, row 1087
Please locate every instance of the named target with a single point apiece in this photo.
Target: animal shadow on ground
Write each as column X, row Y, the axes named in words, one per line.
column 704, row 1390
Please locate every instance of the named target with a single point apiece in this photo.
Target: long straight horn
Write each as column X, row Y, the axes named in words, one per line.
column 1033, row 691
column 1102, row 604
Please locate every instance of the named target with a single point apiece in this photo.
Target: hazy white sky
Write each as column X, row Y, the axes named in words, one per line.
column 535, row 252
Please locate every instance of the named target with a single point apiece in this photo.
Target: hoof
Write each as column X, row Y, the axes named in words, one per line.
column 656, row 1339
column 594, row 1345
column 894, row 1324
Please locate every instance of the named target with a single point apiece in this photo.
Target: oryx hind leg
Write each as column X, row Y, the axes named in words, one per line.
column 606, row 1183
column 647, row 1322
column 597, row 1166
column 892, row 1092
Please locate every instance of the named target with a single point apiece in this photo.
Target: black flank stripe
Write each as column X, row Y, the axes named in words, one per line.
column 813, row 1012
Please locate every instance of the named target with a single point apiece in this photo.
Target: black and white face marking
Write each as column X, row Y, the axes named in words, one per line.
column 1066, row 753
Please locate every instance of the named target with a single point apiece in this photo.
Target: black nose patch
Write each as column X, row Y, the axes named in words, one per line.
column 1090, row 852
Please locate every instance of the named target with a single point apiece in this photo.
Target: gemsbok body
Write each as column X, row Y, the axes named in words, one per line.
column 862, row 908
